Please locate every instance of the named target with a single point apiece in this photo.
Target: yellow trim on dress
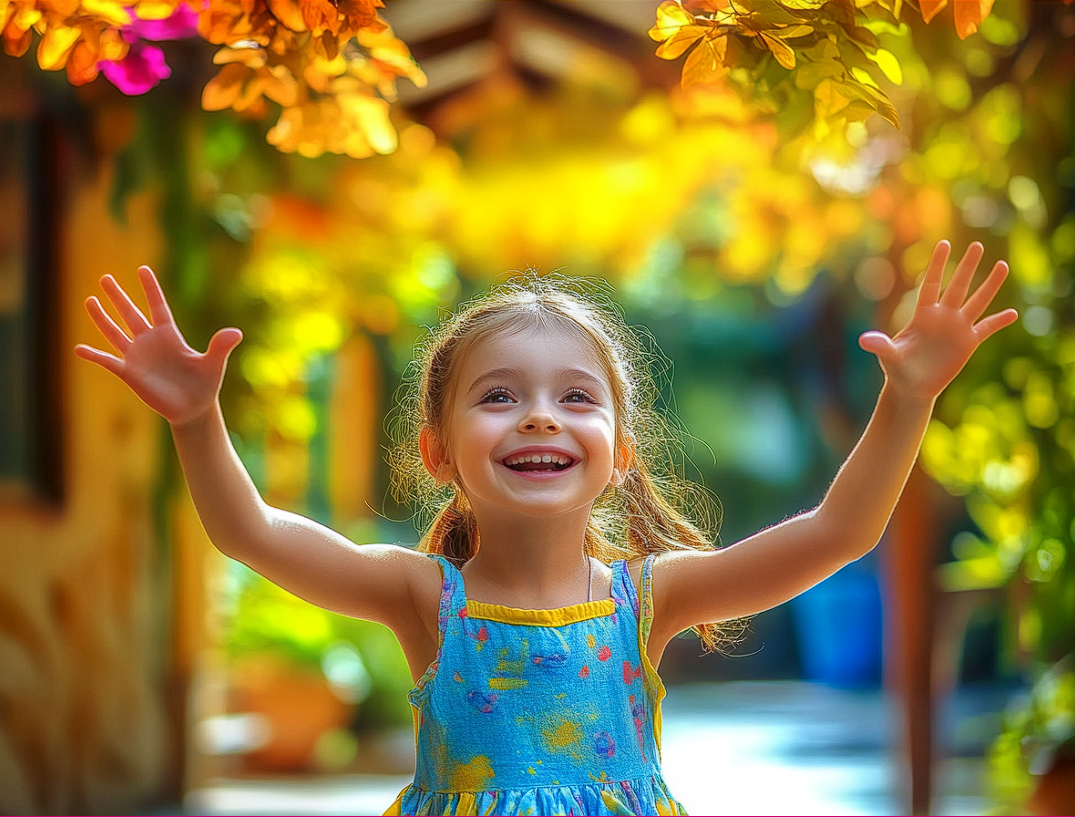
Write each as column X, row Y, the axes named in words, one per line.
column 541, row 618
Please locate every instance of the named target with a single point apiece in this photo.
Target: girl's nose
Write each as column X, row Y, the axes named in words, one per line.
column 540, row 421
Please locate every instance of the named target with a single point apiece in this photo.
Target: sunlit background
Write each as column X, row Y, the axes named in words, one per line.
column 752, row 219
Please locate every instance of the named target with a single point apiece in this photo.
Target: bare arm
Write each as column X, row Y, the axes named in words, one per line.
column 777, row 564
column 378, row 582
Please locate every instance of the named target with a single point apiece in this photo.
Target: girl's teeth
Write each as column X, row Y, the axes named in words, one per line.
column 538, row 458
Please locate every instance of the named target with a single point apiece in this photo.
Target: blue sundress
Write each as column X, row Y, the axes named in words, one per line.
column 540, row 711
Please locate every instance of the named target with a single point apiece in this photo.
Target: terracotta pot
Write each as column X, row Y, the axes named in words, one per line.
column 1055, row 790
column 298, row 706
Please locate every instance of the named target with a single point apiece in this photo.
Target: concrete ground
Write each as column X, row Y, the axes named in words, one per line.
column 728, row 748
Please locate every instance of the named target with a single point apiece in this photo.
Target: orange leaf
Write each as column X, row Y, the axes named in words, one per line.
column 705, row 64
column 969, row 15
column 223, row 89
column 280, row 86
column 16, row 40
column 781, row 50
column 82, row 65
column 930, row 8
column 320, row 16
column 289, row 13
column 679, row 42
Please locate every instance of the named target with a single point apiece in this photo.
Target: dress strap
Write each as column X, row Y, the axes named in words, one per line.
column 645, row 618
column 453, row 596
column 640, row 601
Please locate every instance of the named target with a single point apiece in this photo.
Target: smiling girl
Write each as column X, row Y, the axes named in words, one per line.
column 560, row 562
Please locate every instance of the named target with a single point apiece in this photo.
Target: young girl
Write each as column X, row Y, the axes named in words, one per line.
column 558, row 567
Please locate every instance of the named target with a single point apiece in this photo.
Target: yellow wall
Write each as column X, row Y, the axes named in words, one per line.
column 86, row 648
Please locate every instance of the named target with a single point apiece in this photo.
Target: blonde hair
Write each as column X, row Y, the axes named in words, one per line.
column 646, row 513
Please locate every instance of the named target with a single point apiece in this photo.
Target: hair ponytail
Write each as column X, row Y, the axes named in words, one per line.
column 453, row 533
column 654, row 525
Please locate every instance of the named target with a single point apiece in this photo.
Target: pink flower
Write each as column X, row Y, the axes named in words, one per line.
column 183, row 23
column 143, row 68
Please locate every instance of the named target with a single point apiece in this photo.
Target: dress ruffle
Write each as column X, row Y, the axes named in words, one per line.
column 642, row 796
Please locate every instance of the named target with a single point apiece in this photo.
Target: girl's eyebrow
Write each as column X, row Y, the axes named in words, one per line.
column 492, row 375
column 507, row 373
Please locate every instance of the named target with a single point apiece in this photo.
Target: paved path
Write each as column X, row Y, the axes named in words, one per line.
column 730, row 748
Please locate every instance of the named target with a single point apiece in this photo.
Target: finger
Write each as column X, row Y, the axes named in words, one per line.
column 130, row 313
column 994, row 323
column 103, row 359
column 159, row 311
column 877, row 343
column 106, row 326
column 956, row 292
column 931, row 284
column 980, row 299
column 222, row 344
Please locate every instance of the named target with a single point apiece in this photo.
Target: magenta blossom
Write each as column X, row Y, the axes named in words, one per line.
column 183, row 23
column 144, row 66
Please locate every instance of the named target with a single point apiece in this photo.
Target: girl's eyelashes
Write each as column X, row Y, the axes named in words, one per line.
column 497, row 395
column 503, row 395
column 579, row 396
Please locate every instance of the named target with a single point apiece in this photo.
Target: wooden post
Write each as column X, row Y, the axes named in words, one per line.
column 909, row 558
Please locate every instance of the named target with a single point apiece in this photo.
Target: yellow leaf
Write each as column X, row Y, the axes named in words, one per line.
column 863, row 77
column 108, row 11
column 679, row 42
column 829, row 99
column 889, row 65
column 56, row 46
column 671, row 17
column 781, row 50
column 26, row 16
column 112, row 46
column 252, row 57
column 155, row 9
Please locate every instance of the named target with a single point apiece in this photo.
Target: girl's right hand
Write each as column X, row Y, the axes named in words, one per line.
column 153, row 358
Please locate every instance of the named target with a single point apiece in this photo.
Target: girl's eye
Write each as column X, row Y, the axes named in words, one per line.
column 578, row 396
column 496, row 396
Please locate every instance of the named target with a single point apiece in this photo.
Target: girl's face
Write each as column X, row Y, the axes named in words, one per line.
column 531, row 428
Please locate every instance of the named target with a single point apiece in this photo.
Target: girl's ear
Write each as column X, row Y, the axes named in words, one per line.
column 434, row 457
column 625, row 458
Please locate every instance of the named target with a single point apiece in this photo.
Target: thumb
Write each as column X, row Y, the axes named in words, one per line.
column 876, row 343
column 223, row 343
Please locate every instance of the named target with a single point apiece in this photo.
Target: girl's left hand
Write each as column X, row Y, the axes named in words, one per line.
column 944, row 330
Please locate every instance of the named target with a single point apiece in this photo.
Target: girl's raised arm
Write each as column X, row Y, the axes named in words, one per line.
column 381, row 583
column 780, row 562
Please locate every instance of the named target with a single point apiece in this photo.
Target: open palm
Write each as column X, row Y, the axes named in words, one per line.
column 152, row 357
column 945, row 327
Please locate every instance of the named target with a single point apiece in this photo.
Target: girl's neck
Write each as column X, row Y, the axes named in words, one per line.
column 530, row 563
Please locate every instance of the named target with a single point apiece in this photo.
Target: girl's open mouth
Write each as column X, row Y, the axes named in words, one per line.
column 539, row 462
